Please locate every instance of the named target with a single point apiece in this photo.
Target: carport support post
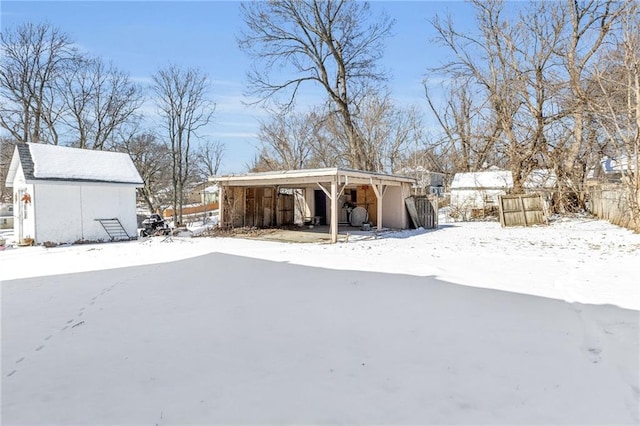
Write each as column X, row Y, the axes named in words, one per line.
column 221, row 211
column 379, row 191
column 334, row 211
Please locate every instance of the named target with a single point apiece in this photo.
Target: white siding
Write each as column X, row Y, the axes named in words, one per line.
column 468, row 198
column 66, row 211
column 394, row 213
column 23, row 213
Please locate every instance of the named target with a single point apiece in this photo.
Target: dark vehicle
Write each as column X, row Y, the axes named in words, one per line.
column 154, row 225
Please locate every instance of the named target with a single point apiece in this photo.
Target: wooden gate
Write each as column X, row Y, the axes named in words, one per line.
column 521, row 210
column 285, row 209
column 423, row 211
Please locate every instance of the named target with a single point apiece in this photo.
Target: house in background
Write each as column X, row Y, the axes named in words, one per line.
column 427, row 181
column 210, row 194
column 67, row 195
column 611, row 170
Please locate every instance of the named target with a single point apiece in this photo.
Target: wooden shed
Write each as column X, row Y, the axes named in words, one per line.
column 330, row 196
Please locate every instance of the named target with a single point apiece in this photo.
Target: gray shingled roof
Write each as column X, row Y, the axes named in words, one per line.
column 25, row 160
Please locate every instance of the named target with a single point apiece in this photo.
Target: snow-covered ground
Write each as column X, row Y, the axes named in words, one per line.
column 471, row 323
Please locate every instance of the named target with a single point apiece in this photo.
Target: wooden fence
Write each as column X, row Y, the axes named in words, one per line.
column 423, row 211
column 201, row 208
column 521, row 210
column 611, row 202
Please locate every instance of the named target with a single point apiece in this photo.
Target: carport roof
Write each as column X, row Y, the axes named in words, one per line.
column 311, row 176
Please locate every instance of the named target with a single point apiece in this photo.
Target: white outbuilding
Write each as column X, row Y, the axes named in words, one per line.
column 479, row 190
column 476, row 193
column 67, row 195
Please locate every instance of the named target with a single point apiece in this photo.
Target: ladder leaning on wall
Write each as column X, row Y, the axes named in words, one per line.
column 114, row 229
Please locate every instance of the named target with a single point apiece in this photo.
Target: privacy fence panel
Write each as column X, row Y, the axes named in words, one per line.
column 521, row 210
column 423, row 211
column 611, row 202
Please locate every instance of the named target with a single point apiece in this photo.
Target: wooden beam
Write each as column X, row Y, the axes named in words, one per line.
column 344, row 185
column 326, row 191
column 379, row 191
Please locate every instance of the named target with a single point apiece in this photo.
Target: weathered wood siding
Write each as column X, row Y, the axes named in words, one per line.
column 521, row 210
column 285, row 209
column 258, row 207
column 233, row 212
column 611, row 202
column 366, row 198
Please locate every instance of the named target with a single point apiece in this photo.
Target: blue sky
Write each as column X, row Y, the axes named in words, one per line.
column 139, row 37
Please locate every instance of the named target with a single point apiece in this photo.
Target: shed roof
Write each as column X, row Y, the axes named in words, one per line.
column 59, row 163
column 311, row 176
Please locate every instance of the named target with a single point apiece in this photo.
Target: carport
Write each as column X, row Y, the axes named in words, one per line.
column 295, row 196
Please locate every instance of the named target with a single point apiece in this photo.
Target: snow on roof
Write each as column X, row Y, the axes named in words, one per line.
column 477, row 180
column 64, row 163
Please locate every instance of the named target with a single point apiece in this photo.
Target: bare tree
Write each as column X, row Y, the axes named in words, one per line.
column 530, row 76
column 589, row 24
column 387, row 130
column 287, row 141
column 184, row 108
column 209, row 156
column 33, row 59
column 99, row 99
column 489, row 60
column 335, row 44
column 7, row 147
column 330, row 140
column 616, row 106
column 153, row 161
column 469, row 126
